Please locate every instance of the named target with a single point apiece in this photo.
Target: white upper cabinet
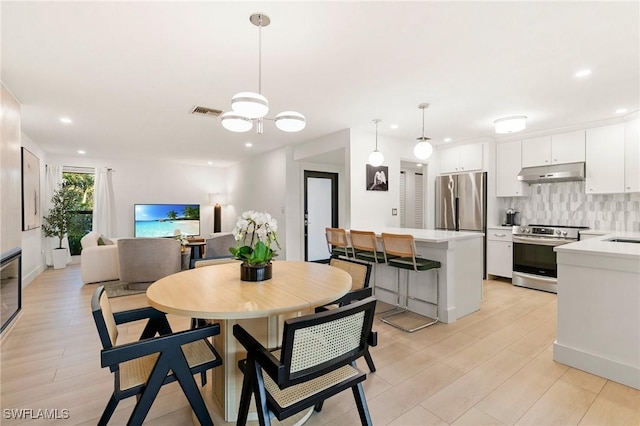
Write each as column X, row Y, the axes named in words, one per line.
column 536, row 152
column 464, row 158
column 568, row 147
column 555, row 149
column 605, row 159
column 632, row 156
column 508, row 165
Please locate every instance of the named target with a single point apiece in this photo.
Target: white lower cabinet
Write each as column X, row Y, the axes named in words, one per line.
column 499, row 252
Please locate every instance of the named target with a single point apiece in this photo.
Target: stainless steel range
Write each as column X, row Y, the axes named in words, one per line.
column 534, row 261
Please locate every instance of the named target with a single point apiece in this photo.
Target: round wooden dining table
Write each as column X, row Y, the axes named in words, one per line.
column 216, row 292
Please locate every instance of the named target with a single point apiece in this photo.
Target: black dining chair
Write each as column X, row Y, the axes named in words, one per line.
column 360, row 274
column 141, row 368
column 316, row 361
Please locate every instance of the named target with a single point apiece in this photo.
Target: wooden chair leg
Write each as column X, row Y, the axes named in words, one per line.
column 361, row 403
column 370, row 364
column 191, row 391
column 260, row 396
column 158, row 374
column 245, row 396
column 108, row 411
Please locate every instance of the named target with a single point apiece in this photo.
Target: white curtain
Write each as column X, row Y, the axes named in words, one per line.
column 103, row 205
column 52, row 182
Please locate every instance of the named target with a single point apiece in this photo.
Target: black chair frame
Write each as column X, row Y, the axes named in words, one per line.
column 171, row 358
column 353, row 296
column 260, row 360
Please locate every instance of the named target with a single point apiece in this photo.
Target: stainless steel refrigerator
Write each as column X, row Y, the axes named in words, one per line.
column 461, row 204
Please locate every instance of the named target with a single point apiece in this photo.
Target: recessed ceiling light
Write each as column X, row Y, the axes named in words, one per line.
column 248, row 144
column 621, row 110
column 447, row 139
column 510, row 124
column 65, row 120
column 583, row 73
column 394, row 126
column 419, row 165
column 81, row 151
column 209, row 162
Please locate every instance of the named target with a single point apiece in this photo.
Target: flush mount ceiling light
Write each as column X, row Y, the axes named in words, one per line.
column 423, row 148
column 376, row 158
column 510, row 124
column 248, row 107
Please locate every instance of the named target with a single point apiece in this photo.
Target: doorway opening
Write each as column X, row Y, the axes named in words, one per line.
column 320, row 212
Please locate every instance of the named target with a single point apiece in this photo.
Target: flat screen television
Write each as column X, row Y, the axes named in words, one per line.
column 166, row 220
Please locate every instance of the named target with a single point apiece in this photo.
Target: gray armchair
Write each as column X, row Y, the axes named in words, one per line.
column 218, row 245
column 145, row 260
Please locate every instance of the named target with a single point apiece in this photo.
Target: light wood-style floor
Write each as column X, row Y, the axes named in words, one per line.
column 490, row 368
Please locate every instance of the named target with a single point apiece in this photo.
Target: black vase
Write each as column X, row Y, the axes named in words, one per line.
column 255, row 273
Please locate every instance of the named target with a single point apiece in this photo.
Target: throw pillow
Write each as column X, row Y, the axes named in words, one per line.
column 107, row 241
column 100, row 241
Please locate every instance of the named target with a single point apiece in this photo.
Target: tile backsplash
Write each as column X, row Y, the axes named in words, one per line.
column 566, row 203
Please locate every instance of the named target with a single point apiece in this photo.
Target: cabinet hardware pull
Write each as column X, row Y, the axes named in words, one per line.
column 500, row 235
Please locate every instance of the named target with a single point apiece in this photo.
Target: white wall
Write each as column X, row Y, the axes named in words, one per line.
column 142, row 181
column 372, row 209
column 32, row 240
column 259, row 183
column 304, row 157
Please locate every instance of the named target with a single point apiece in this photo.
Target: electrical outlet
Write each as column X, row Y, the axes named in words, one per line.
column 394, row 212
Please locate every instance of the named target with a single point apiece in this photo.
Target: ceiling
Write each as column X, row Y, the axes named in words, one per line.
column 128, row 73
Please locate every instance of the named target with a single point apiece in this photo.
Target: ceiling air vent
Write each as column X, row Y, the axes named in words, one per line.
column 206, row 111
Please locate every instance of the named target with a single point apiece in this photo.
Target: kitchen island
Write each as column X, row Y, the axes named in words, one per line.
column 461, row 256
column 599, row 307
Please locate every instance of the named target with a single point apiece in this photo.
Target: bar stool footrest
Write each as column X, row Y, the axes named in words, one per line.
column 385, row 319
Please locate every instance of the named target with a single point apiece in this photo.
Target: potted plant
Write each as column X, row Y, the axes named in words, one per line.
column 256, row 240
column 56, row 224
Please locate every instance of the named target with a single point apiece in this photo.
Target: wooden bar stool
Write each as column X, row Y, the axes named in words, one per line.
column 338, row 242
column 400, row 252
column 365, row 247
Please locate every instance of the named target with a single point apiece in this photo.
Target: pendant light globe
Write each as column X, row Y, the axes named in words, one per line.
column 290, row 121
column 423, row 150
column 376, row 158
column 235, row 122
column 251, row 105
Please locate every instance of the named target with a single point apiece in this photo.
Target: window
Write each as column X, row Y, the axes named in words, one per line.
column 80, row 180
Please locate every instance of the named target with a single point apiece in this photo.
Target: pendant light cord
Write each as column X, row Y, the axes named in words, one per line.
column 260, row 55
column 376, row 135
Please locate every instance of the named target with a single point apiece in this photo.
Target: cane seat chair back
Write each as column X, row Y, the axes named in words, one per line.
column 317, row 361
column 338, row 242
column 360, row 289
column 141, row 368
column 400, row 252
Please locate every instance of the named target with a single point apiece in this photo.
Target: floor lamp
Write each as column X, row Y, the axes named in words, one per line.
column 216, row 199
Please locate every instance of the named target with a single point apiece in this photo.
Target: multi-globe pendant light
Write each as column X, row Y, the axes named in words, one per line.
column 376, row 158
column 423, row 148
column 249, row 106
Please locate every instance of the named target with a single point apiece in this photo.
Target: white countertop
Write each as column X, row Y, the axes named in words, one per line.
column 601, row 246
column 431, row 235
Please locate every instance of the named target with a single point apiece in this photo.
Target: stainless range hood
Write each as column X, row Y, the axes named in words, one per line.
column 556, row 173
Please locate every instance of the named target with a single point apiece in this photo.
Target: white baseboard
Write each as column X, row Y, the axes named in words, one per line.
column 627, row 375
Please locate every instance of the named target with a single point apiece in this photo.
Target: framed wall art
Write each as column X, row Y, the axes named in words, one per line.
column 377, row 178
column 31, row 215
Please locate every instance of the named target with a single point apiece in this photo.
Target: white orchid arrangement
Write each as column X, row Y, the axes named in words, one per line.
column 256, row 238
column 180, row 237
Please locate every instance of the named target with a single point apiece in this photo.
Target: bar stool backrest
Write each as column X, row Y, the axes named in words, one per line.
column 337, row 237
column 401, row 245
column 364, row 240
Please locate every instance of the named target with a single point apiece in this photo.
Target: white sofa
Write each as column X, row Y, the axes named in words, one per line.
column 98, row 262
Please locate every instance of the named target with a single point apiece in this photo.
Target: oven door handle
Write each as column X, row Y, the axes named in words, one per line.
column 540, row 241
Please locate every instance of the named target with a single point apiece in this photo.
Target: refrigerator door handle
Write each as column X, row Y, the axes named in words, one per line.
column 457, row 215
